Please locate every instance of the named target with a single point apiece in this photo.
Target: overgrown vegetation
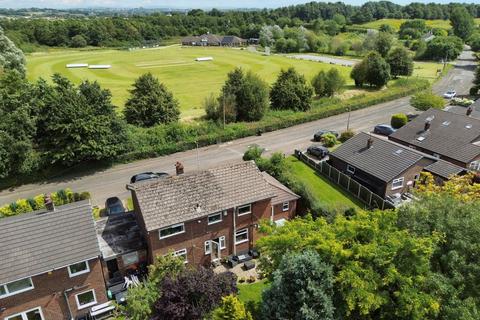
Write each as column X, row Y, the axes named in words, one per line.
column 426, row 100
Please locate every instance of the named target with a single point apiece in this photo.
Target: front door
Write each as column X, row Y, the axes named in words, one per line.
column 215, row 249
column 112, row 267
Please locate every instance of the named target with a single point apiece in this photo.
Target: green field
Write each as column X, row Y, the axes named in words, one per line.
column 190, row 81
column 395, row 23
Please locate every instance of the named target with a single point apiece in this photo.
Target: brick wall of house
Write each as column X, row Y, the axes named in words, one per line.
column 48, row 293
column 278, row 212
column 409, row 175
column 142, row 258
column 198, row 231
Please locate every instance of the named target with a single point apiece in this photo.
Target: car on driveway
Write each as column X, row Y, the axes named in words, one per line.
column 450, row 94
column 318, row 151
column 148, row 176
column 114, row 206
column 383, row 129
column 318, row 135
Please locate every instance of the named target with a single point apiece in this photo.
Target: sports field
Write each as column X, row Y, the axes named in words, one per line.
column 190, row 81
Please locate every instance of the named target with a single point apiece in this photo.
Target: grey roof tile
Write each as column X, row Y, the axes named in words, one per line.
column 282, row 193
column 174, row 199
column 444, row 169
column 38, row 242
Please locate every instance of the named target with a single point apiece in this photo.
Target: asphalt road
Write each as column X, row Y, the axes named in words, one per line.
column 111, row 182
column 325, row 59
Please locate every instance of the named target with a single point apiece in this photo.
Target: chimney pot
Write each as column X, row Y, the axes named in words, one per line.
column 178, row 168
column 427, row 125
column 369, row 142
column 49, row 205
column 469, row 111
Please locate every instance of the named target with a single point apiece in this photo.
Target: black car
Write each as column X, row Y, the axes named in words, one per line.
column 383, row 129
column 114, row 206
column 318, row 135
column 147, row 176
column 318, row 151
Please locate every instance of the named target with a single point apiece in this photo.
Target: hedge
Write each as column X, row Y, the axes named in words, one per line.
column 167, row 139
column 61, row 197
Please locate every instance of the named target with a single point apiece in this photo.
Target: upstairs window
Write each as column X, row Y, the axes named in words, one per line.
column 16, row 287
column 243, row 210
column 215, row 218
column 172, row 230
column 78, row 269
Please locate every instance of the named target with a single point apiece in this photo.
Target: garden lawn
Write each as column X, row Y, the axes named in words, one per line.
column 252, row 291
column 190, row 81
column 323, row 190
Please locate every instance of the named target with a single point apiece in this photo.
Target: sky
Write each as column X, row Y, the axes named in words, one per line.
column 202, row 4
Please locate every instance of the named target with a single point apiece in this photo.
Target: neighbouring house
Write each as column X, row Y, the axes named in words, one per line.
column 385, row 167
column 209, row 214
column 213, row 40
column 121, row 245
column 51, row 267
column 444, row 135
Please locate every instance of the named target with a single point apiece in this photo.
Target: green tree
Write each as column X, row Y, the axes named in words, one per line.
column 462, row 22
column 383, row 43
column 386, row 28
column 291, row 91
column 150, row 103
column 359, row 73
column 443, row 48
column 78, row 41
column 399, row 120
column 373, row 70
column 401, row 62
column 77, row 123
column 11, row 58
column 474, row 42
column 318, row 83
column 334, row 82
column 329, row 140
column 231, row 309
column 426, row 100
column 380, row 271
column 302, row 288
column 251, row 100
column 455, row 260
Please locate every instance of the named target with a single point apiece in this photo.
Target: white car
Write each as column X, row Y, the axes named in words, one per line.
column 450, row 94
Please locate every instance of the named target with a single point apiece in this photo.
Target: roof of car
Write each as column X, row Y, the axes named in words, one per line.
column 38, row 242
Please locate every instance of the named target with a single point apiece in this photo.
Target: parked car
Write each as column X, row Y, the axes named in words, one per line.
column 383, row 129
column 114, row 206
column 450, row 94
column 318, row 135
column 147, row 176
column 318, row 151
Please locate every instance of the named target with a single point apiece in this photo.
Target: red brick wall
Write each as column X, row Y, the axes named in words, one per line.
column 278, row 212
column 48, row 293
column 198, row 231
column 142, row 258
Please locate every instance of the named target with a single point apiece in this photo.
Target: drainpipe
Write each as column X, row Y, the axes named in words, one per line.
column 271, row 218
column 68, row 303
column 234, row 230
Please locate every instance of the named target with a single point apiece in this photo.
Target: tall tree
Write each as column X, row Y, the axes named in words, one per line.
column 383, row 43
column 372, row 70
column 462, row 22
column 401, row 62
column 291, row 91
column 318, row 83
column 11, row 58
column 77, row 124
column 302, row 288
column 334, row 83
column 150, row 103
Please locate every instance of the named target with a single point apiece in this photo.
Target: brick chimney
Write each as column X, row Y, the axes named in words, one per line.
column 178, row 168
column 428, row 123
column 47, row 200
column 469, row 111
column 369, row 142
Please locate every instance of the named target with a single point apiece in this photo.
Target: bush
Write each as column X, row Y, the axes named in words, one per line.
column 85, row 195
column 426, row 100
column 474, row 91
column 329, row 140
column 461, row 102
column 291, row 92
column 399, row 120
column 252, row 153
column 345, row 135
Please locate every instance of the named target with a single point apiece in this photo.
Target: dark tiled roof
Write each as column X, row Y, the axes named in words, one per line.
column 282, row 193
column 231, row 39
column 119, row 234
column 38, row 242
column 174, row 199
column 444, row 169
column 451, row 135
column 384, row 160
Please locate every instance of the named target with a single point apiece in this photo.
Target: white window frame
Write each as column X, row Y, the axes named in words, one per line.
column 129, row 255
column 94, row 302
column 402, row 179
column 474, row 165
column 74, row 274
column 242, row 231
column 8, row 293
column 215, row 214
column 173, row 234
column 23, row 314
column 350, row 169
column 285, row 206
column 181, row 252
column 220, row 240
column 245, row 213
column 207, row 247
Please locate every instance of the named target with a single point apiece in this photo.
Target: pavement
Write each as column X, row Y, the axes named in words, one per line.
column 110, row 182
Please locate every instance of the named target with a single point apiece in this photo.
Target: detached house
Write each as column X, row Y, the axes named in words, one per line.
column 50, row 267
column 385, row 167
column 206, row 215
column 444, row 135
column 213, row 40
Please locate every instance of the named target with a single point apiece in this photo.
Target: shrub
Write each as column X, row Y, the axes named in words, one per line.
column 399, row 120
column 291, row 92
column 6, row 211
column 23, row 206
column 85, row 195
column 252, row 153
column 39, row 202
column 474, row 91
column 345, row 135
column 461, row 102
column 426, row 100
column 329, row 140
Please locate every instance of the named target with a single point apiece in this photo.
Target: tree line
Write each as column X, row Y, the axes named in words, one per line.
column 139, row 29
